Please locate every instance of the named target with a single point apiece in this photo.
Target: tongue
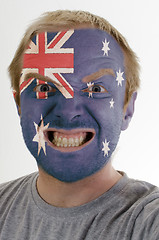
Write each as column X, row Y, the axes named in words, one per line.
column 75, row 135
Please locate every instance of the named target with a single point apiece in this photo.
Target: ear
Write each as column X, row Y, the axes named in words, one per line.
column 129, row 112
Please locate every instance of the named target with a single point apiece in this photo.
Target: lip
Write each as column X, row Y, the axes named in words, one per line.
column 69, row 132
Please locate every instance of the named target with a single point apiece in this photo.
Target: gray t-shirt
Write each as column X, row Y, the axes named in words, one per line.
column 129, row 210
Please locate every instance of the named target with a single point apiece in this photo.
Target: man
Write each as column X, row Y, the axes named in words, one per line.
column 75, row 79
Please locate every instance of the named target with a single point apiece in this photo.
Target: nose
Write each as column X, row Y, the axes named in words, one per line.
column 68, row 109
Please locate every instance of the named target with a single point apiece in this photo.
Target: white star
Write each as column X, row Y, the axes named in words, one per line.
column 112, row 103
column 105, row 148
column 39, row 137
column 119, row 78
column 105, row 47
column 89, row 85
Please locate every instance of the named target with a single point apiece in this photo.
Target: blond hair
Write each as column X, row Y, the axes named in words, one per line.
column 64, row 19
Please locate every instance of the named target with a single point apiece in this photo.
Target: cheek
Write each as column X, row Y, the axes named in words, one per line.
column 108, row 119
column 103, row 113
column 31, row 112
column 32, row 108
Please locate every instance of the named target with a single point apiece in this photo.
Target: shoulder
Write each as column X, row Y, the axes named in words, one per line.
column 139, row 191
column 12, row 188
column 139, row 195
column 146, row 194
column 146, row 211
column 147, row 222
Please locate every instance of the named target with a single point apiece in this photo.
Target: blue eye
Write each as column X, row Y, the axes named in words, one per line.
column 44, row 88
column 95, row 88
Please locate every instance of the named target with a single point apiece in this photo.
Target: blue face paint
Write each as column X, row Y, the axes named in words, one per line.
column 73, row 137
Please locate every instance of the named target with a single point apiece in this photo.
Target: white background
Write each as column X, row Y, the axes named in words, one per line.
column 138, row 20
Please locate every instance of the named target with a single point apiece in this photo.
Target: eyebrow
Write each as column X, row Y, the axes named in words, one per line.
column 99, row 74
column 86, row 79
column 40, row 77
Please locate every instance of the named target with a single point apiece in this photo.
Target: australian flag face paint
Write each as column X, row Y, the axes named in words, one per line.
column 72, row 96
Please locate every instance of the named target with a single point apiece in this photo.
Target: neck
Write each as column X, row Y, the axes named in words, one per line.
column 61, row 194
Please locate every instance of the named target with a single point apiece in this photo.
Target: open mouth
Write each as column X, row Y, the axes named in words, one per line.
column 69, row 140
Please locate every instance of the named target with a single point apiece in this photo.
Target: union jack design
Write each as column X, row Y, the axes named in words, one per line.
column 46, row 56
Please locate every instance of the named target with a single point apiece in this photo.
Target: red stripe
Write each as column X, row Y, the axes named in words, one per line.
column 42, row 82
column 42, row 95
column 41, row 51
column 64, row 84
column 55, row 60
column 52, row 45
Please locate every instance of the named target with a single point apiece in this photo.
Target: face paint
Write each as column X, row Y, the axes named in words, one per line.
column 72, row 136
column 47, row 57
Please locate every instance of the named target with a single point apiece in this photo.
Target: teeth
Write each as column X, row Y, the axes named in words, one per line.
column 81, row 139
column 55, row 137
column 68, row 142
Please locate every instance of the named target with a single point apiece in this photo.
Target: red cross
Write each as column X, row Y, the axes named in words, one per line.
column 44, row 60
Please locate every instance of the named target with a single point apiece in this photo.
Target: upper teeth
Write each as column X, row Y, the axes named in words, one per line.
column 68, row 142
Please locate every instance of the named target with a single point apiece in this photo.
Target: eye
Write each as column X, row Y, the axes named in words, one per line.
column 95, row 88
column 44, row 88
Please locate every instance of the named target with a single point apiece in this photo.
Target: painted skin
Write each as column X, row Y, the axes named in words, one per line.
column 89, row 115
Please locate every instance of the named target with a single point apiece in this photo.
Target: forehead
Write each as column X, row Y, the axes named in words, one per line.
column 87, row 45
column 94, row 45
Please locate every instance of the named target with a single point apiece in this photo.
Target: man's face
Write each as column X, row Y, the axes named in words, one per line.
column 72, row 97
